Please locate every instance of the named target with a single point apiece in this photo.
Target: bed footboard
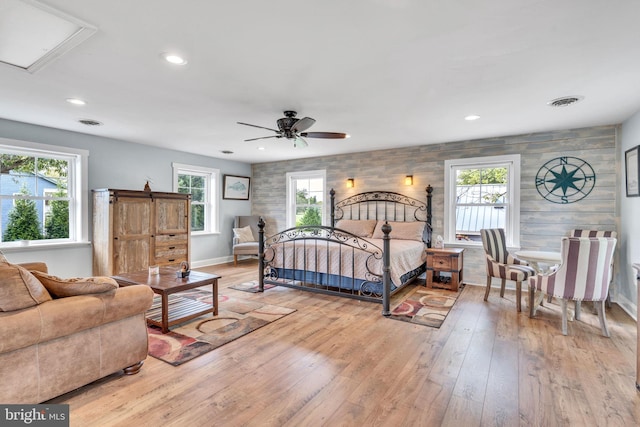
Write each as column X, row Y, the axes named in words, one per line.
column 327, row 260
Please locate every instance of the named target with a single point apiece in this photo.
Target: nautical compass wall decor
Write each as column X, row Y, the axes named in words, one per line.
column 565, row 180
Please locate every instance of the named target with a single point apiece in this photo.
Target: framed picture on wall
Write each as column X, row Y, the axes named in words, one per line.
column 236, row 187
column 632, row 166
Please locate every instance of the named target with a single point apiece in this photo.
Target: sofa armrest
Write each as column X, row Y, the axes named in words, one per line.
column 126, row 301
column 37, row 266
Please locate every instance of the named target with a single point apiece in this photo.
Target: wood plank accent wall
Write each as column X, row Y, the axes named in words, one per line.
column 542, row 222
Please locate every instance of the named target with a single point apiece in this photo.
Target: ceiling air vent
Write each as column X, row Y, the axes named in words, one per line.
column 226, row 152
column 90, row 122
column 565, row 101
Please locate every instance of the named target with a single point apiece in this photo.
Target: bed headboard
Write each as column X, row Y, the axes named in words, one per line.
column 384, row 205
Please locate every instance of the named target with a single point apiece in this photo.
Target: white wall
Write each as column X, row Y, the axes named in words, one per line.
column 125, row 165
column 629, row 235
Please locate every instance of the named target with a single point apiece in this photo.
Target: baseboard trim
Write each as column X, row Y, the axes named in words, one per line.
column 212, row 261
column 627, row 306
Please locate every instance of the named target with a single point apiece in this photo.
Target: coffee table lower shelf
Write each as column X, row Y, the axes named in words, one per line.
column 180, row 310
column 166, row 285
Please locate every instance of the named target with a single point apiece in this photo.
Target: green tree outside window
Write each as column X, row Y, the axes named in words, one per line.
column 23, row 221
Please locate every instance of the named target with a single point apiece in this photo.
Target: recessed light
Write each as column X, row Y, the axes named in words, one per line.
column 173, row 58
column 76, row 101
column 260, row 148
column 472, row 117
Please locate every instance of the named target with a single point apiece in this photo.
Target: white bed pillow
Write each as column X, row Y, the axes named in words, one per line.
column 244, row 234
column 359, row 227
column 401, row 230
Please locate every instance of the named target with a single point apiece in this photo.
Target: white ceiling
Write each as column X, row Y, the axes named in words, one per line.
column 391, row 73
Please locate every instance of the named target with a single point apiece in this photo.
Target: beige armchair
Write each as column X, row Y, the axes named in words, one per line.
column 245, row 236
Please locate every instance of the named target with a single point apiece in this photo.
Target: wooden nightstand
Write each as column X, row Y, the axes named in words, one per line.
column 447, row 260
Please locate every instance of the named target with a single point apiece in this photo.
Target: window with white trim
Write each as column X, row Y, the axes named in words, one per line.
column 306, row 198
column 482, row 192
column 43, row 192
column 202, row 183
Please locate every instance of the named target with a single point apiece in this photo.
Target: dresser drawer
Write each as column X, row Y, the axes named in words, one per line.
column 171, row 251
column 171, row 239
column 441, row 262
column 170, row 260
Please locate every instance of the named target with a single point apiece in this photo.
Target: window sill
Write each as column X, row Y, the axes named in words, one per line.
column 462, row 244
column 204, row 233
column 467, row 244
column 8, row 248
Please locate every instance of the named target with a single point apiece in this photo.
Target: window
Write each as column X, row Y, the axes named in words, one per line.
column 482, row 192
column 201, row 183
column 42, row 193
column 305, row 198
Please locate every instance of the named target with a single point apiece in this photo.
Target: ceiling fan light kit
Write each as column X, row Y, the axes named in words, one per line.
column 294, row 129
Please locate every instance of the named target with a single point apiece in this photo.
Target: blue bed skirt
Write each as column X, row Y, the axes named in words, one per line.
column 344, row 283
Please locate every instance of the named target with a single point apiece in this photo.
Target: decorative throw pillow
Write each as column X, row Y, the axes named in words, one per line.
column 61, row 288
column 244, row 234
column 362, row 228
column 19, row 288
column 401, row 230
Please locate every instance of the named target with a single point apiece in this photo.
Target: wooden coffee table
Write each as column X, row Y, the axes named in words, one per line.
column 165, row 284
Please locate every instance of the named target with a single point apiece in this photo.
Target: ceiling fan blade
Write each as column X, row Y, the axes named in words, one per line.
column 329, row 135
column 302, row 124
column 256, row 126
column 263, row 137
column 299, row 143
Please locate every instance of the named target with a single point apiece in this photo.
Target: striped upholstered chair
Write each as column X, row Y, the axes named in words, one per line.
column 596, row 233
column 592, row 233
column 584, row 275
column 502, row 265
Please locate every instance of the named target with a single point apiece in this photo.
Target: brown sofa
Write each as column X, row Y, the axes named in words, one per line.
column 61, row 343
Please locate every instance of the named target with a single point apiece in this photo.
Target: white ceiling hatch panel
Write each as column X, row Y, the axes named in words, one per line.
column 32, row 34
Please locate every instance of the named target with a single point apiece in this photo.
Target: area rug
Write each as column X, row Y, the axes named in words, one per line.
column 425, row 306
column 251, row 286
column 236, row 317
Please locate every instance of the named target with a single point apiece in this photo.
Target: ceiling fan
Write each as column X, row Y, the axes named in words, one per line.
column 294, row 129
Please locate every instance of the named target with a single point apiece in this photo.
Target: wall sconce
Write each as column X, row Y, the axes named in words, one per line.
column 408, row 180
column 350, row 183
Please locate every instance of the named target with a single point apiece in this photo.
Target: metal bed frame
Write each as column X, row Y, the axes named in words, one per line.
column 376, row 286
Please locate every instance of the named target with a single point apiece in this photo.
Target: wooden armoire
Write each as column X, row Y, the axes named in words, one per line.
column 133, row 230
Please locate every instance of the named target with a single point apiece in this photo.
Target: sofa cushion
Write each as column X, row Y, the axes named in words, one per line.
column 61, row 288
column 19, row 288
column 244, row 234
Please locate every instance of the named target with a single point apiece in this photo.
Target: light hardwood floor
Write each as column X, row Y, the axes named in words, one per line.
column 338, row 362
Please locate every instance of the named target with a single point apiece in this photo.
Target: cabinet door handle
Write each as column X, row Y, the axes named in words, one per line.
column 172, row 235
column 171, row 260
column 172, row 247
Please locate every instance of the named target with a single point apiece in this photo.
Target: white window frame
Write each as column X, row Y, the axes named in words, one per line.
column 512, row 227
column 291, row 193
column 77, row 189
column 211, row 204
